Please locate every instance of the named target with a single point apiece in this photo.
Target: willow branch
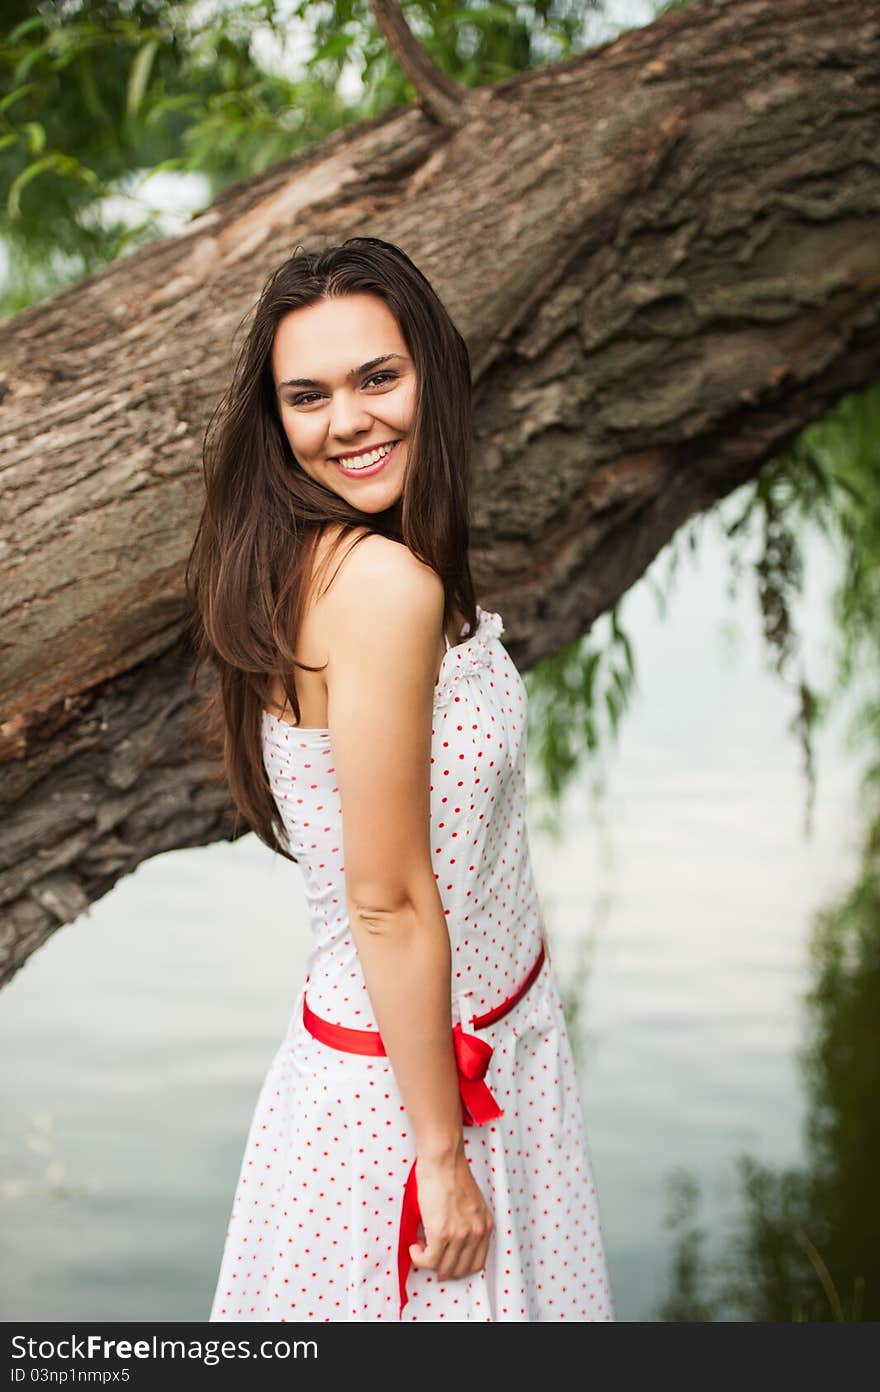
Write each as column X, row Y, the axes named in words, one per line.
column 446, row 101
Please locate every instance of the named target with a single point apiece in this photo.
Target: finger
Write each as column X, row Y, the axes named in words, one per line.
column 454, row 1260
column 474, row 1256
column 468, row 1262
column 462, row 1267
column 450, row 1259
column 427, row 1255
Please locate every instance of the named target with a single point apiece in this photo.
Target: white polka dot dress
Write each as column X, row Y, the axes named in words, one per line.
column 316, row 1215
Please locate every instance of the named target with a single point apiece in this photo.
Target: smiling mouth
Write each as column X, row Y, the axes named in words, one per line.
column 368, row 460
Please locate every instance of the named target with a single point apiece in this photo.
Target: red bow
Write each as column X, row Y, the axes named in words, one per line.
column 478, row 1107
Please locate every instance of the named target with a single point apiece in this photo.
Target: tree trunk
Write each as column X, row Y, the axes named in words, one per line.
column 665, row 257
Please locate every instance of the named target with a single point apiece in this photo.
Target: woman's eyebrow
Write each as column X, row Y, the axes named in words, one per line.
column 355, row 372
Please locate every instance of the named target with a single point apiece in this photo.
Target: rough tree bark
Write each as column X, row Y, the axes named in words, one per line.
column 664, row 257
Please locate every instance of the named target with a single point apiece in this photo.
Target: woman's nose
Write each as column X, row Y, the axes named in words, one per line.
column 349, row 418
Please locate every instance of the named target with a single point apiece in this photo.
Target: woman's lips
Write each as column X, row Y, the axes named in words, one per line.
column 373, row 468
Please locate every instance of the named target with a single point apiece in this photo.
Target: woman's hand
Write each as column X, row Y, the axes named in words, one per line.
column 457, row 1222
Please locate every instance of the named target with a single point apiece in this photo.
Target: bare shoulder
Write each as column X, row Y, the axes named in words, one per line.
column 381, row 585
column 384, row 615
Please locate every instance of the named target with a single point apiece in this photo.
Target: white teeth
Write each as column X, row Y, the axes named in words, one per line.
column 363, row 461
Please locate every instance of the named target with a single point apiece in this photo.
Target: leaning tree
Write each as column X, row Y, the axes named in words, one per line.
column 664, row 255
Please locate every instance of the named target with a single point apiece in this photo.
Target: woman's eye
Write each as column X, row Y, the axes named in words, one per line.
column 303, row 398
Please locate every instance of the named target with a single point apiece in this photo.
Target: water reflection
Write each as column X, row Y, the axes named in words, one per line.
column 573, row 984
column 806, row 1245
column 676, row 912
column 41, row 1171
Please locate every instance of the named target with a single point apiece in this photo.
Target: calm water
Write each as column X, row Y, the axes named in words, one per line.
column 678, row 913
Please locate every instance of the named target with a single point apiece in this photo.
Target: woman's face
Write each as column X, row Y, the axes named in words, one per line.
column 335, row 400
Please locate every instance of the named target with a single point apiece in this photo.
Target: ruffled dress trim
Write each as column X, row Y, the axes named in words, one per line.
column 467, row 657
column 459, row 662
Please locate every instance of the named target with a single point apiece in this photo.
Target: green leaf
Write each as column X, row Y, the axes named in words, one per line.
column 173, row 162
column 35, row 22
column 89, row 88
column 36, row 136
column 175, row 103
column 336, row 46
column 23, row 67
column 140, row 76
column 486, row 15
column 15, row 95
column 55, row 163
column 13, row 199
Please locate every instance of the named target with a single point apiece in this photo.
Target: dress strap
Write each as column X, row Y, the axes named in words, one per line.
column 446, row 641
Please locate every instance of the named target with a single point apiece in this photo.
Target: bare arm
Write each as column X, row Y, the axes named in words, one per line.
column 384, row 615
column 382, row 634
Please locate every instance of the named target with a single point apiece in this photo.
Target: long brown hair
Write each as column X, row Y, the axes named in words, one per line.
column 250, row 565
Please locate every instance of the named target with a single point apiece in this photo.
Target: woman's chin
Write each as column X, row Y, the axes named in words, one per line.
column 379, row 502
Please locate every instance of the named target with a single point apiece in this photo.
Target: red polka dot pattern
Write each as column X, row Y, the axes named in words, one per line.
column 316, row 1212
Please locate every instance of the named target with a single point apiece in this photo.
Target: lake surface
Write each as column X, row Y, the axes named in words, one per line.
column 678, row 911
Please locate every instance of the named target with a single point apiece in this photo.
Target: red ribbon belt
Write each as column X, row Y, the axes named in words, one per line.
column 478, row 1106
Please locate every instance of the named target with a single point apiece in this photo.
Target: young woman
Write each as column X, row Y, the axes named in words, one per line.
column 418, row 1150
